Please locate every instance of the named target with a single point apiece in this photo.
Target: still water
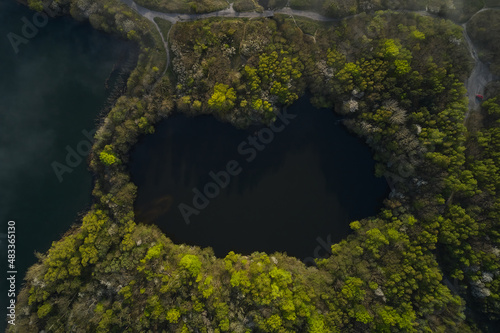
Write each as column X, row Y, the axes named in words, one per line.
column 51, row 91
column 294, row 193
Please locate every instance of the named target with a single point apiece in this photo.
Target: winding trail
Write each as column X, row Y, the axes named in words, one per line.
column 475, row 84
column 228, row 12
column 480, row 75
column 225, row 13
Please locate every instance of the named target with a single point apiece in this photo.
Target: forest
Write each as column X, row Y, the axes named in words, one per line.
column 428, row 262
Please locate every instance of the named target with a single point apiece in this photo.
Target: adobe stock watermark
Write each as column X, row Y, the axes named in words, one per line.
column 74, row 156
column 30, row 28
column 248, row 149
column 324, row 246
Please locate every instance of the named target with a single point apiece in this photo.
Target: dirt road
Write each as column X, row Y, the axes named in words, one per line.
column 480, row 76
column 475, row 84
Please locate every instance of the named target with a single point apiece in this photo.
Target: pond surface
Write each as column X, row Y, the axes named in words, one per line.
column 207, row 183
column 51, row 91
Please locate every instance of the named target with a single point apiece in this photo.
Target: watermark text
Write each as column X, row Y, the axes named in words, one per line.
column 11, row 272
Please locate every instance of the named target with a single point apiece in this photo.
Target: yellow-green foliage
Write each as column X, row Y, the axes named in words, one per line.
column 223, row 98
column 191, row 263
column 402, row 66
column 92, row 224
column 173, row 315
column 44, row 310
column 391, row 49
column 63, row 260
column 153, row 252
column 108, row 157
column 36, row 5
column 418, row 35
column 276, row 72
column 316, row 324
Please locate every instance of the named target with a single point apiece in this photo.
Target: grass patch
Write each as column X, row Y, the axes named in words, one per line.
column 308, row 26
column 164, row 26
column 247, row 6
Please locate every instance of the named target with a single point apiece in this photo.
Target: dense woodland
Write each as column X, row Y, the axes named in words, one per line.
column 428, row 262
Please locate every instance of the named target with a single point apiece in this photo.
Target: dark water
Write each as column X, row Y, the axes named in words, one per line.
column 50, row 91
column 297, row 195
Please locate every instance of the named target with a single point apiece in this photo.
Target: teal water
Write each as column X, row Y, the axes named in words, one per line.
column 50, row 91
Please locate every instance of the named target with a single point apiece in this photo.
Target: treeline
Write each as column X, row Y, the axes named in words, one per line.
column 398, row 78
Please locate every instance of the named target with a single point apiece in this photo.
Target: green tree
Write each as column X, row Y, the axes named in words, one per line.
column 108, row 157
column 191, row 263
column 223, row 98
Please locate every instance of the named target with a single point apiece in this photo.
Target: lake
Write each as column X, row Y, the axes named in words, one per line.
column 51, row 92
column 207, row 183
